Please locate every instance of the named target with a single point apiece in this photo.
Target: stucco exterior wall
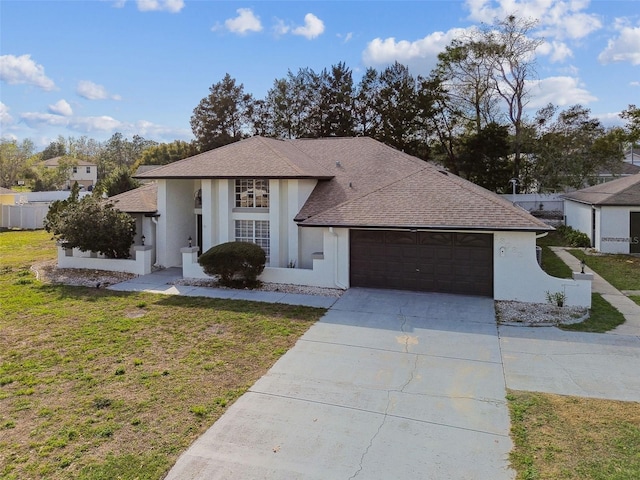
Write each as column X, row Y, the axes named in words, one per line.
column 579, row 216
column 614, row 232
column 176, row 222
column 517, row 275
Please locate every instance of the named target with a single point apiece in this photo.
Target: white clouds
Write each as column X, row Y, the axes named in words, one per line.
column 557, row 19
column 37, row 119
column 5, row 117
column 419, row 55
column 171, row 6
column 623, row 48
column 102, row 123
column 245, row 22
column 313, row 27
column 93, row 91
column 61, row 107
column 16, row 70
column 557, row 51
column 560, row 91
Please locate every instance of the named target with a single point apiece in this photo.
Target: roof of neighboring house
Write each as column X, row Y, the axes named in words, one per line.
column 55, row 161
column 625, row 169
column 251, row 158
column 145, row 169
column 361, row 183
column 622, row 191
column 139, row 200
column 6, row 191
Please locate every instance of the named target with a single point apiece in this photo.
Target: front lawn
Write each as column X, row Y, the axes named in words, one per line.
column 621, row 271
column 96, row 384
column 570, row 438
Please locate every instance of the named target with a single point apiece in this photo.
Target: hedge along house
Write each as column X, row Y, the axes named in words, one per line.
column 351, row 212
column 608, row 213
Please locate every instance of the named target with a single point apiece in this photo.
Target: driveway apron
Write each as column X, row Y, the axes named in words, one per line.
column 387, row 384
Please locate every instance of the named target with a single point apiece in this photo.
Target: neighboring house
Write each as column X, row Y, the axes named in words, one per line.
column 609, row 214
column 625, row 169
column 85, row 173
column 345, row 212
column 632, row 156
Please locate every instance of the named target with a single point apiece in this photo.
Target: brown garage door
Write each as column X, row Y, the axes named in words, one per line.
column 424, row 261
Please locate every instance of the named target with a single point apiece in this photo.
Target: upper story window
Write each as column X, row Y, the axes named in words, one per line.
column 88, row 169
column 75, row 169
column 252, row 193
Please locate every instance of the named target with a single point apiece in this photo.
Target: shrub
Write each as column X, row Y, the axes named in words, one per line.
column 235, row 263
column 574, row 238
column 91, row 224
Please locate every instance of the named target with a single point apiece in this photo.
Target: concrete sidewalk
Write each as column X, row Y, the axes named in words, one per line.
column 162, row 282
column 620, row 301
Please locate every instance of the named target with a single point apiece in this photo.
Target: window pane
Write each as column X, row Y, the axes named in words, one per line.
column 252, row 193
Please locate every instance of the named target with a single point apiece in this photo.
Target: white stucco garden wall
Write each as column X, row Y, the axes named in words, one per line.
column 517, row 275
column 330, row 270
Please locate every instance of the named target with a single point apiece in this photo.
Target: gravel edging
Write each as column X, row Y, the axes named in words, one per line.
column 523, row 314
column 266, row 287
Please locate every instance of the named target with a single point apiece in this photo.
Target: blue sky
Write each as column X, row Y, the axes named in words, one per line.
column 93, row 68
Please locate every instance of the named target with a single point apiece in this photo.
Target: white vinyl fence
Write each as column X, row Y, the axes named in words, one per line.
column 27, row 216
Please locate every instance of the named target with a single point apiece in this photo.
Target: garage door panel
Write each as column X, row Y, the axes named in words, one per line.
column 424, row 261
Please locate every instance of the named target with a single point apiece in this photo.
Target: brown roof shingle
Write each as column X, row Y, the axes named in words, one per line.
column 622, row 191
column 139, row 200
column 255, row 157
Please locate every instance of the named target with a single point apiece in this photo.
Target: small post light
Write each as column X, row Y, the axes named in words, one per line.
column 142, row 239
column 582, row 263
column 190, row 241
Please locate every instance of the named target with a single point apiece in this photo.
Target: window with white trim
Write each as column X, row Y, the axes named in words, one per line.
column 75, row 169
column 254, row 231
column 252, row 193
column 88, row 169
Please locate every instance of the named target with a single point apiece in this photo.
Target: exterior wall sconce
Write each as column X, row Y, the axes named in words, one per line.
column 190, row 241
column 142, row 239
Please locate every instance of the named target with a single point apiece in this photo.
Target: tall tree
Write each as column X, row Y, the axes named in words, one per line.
column 336, row 101
column 512, row 54
column 397, row 108
column 367, row 117
column 14, row 159
column 572, row 149
column 165, row 153
column 222, row 117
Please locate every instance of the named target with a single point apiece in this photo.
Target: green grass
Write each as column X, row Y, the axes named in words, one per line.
column 570, row 438
column 621, row 271
column 551, row 263
column 96, row 384
column 603, row 317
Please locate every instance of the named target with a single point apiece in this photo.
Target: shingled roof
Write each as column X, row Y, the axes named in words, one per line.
column 255, row 157
column 139, row 200
column 6, row 191
column 621, row 192
column 376, row 185
column 361, row 183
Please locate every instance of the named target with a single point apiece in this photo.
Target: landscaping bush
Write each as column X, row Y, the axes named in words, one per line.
column 91, row 224
column 237, row 264
column 574, row 238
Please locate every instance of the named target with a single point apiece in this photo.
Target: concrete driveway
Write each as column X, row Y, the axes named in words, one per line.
column 387, row 385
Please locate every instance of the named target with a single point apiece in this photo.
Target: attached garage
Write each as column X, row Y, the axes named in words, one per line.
column 447, row 262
